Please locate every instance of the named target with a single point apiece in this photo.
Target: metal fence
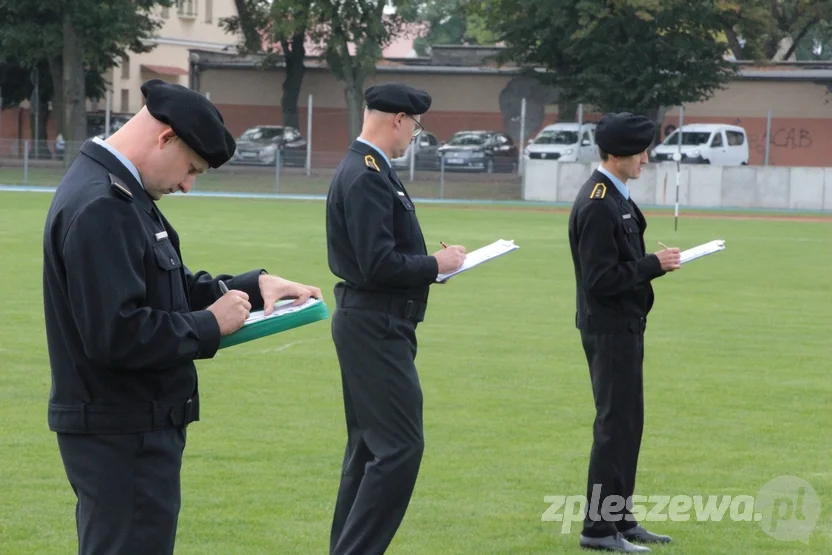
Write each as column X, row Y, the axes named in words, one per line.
column 305, row 167
column 281, row 171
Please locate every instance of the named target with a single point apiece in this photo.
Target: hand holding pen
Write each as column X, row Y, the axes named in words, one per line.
column 669, row 258
column 231, row 310
column 450, row 258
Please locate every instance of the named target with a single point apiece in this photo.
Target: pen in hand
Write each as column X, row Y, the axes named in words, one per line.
column 662, row 245
column 223, row 287
column 443, row 244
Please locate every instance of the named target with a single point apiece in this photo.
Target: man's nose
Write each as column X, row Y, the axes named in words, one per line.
column 188, row 184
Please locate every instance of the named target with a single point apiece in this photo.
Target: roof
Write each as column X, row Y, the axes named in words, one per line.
column 165, row 70
column 710, row 127
column 772, row 71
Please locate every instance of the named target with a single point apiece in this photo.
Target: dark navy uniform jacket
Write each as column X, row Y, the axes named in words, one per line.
column 125, row 319
column 374, row 241
column 612, row 270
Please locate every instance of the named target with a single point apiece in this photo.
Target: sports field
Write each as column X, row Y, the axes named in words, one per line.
column 737, row 389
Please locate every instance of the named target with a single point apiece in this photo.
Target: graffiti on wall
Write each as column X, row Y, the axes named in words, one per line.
column 791, row 138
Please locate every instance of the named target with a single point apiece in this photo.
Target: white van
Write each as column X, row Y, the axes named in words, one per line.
column 706, row 143
column 559, row 141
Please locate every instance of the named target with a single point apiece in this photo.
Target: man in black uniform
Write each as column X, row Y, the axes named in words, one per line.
column 614, row 295
column 375, row 245
column 125, row 319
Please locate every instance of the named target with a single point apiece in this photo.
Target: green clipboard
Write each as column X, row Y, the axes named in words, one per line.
column 285, row 317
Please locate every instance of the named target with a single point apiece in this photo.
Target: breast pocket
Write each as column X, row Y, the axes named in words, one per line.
column 169, row 280
column 632, row 235
column 408, row 230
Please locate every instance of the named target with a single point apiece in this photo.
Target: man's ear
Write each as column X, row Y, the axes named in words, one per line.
column 166, row 137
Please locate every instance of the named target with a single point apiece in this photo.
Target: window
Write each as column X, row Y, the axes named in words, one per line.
column 735, row 138
column 291, row 134
column 125, row 67
column 585, row 140
column 717, row 139
column 125, row 100
column 186, row 8
column 557, row 138
column 209, row 11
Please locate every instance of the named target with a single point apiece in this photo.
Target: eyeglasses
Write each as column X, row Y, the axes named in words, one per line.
column 419, row 127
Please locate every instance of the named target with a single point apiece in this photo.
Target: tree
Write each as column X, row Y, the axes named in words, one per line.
column 445, row 22
column 75, row 38
column 772, row 29
column 818, row 43
column 352, row 35
column 277, row 31
column 636, row 55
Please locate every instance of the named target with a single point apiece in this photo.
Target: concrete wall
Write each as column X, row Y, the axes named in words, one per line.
column 795, row 188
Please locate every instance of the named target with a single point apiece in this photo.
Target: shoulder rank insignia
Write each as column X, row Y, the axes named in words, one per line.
column 598, row 191
column 371, row 162
column 120, row 188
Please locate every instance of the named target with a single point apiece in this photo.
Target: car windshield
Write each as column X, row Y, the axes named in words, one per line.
column 261, row 133
column 689, row 138
column 468, row 139
column 557, row 138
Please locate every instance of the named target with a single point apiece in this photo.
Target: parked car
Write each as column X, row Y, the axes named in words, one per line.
column 259, row 145
column 560, row 141
column 488, row 151
column 706, row 143
column 95, row 128
column 425, row 147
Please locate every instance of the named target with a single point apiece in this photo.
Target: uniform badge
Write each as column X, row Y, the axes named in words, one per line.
column 371, row 162
column 120, row 188
column 627, row 216
column 599, row 191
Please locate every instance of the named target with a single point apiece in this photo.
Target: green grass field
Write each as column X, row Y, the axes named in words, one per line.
column 737, row 388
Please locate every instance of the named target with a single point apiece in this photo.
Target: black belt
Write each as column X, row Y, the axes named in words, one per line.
column 397, row 305
column 595, row 324
column 94, row 419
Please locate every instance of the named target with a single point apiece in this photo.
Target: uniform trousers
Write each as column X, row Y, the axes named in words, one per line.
column 385, row 442
column 127, row 488
column 615, row 368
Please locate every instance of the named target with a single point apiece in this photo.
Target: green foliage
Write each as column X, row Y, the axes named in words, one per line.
column 755, row 28
column 445, row 22
column 32, row 30
column 638, row 55
column 818, row 43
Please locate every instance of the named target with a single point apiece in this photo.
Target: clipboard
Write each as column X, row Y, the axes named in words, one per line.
column 284, row 317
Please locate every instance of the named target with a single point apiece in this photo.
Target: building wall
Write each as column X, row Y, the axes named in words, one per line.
column 801, row 128
column 198, row 26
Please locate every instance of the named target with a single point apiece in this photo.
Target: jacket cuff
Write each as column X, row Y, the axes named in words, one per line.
column 249, row 283
column 650, row 267
column 208, row 333
column 431, row 269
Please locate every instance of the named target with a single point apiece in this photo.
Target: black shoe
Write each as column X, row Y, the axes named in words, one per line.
column 612, row 543
column 640, row 535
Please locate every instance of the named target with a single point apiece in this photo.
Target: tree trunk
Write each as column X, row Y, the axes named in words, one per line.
column 567, row 107
column 38, row 117
column 293, row 81
column 354, row 93
column 38, row 122
column 75, row 127
column 656, row 115
column 56, row 69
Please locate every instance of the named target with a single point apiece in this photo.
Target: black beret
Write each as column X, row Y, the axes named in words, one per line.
column 397, row 97
column 193, row 118
column 624, row 134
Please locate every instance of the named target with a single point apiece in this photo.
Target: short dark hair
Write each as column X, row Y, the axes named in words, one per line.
column 604, row 155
